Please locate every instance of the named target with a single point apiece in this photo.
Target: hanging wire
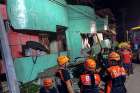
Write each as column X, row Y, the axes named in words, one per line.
column 34, row 62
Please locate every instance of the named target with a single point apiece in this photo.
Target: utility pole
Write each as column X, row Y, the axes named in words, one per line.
column 8, row 61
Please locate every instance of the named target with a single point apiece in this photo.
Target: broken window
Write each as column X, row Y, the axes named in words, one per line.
column 61, row 41
column 54, row 41
column 87, row 43
column 50, row 42
column 90, row 41
column 44, row 40
column 87, row 40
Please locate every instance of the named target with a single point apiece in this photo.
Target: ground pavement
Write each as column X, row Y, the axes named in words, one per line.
column 133, row 81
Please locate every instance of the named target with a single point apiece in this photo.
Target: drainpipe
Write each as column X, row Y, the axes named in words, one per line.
column 8, row 61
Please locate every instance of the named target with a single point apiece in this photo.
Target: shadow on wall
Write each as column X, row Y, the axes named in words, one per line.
column 2, row 70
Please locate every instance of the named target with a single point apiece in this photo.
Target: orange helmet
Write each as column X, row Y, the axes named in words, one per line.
column 62, row 60
column 114, row 56
column 90, row 63
column 48, row 82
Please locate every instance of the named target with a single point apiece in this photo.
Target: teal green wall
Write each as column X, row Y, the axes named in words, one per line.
column 35, row 14
column 80, row 18
column 45, row 15
column 23, row 66
column 100, row 23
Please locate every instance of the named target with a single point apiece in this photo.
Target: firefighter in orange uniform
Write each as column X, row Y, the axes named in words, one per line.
column 127, row 60
column 116, row 75
column 89, row 81
column 63, row 79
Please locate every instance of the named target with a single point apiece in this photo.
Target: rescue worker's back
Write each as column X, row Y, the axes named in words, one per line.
column 116, row 75
column 89, row 81
column 63, row 80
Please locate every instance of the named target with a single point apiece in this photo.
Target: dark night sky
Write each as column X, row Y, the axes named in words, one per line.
column 128, row 16
column 126, row 10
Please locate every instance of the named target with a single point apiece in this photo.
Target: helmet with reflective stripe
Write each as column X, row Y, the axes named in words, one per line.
column 62, row 60
column 113, row 56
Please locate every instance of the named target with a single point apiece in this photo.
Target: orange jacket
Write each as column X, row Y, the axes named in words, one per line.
column 126, row 56
column 116, row 71
column 86, row 80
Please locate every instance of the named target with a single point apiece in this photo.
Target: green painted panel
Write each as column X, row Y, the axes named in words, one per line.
column 36, row 14
column 82, row 25
column 100, row 23
column 24, row 66
column 80, row 12
column 76, row 27
column 76, row 44
column 80, row 19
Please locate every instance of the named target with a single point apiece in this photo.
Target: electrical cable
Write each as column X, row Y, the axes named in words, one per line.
column 34, row 62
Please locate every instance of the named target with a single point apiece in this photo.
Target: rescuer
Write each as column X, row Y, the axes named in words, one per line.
column 89, row 81
column 116, row 75
column 127, row 60
column 63, row 80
